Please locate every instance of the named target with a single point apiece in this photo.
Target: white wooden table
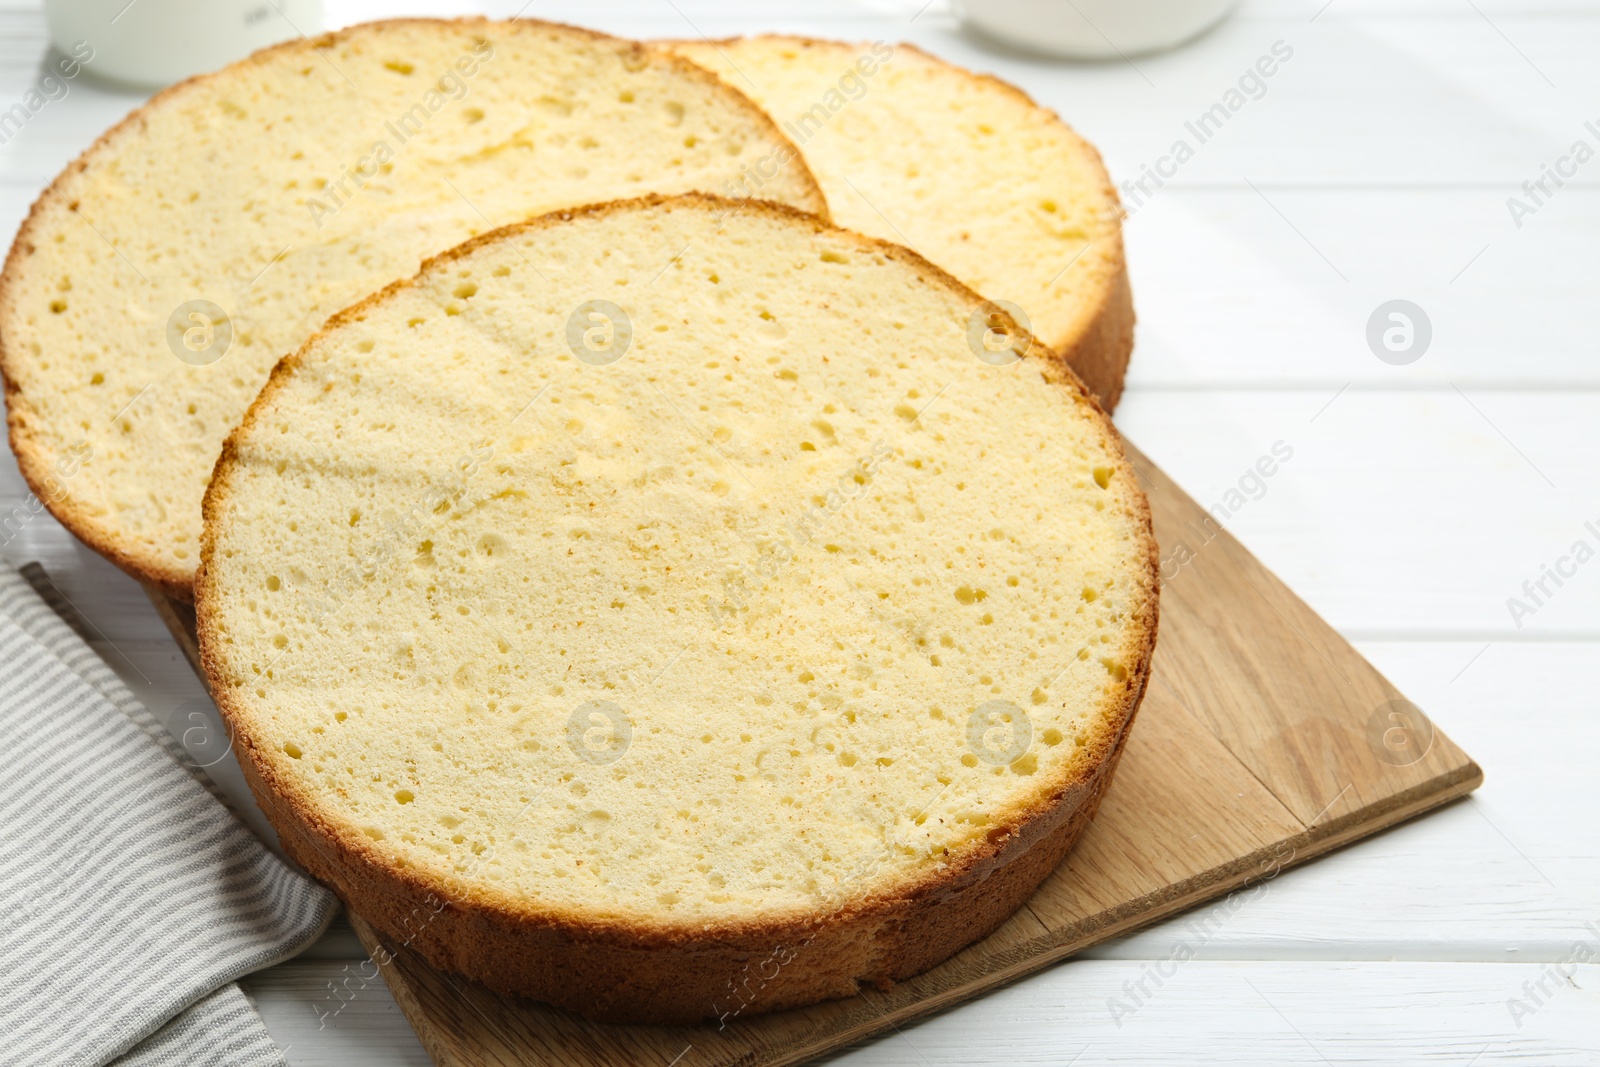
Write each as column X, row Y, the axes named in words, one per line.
column 1376, row 166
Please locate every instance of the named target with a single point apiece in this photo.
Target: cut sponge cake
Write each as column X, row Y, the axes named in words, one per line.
column 675, row 608
column 964, row 168
column 162, row 274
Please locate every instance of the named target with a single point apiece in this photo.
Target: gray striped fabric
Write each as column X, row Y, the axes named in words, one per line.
column 222, row 1028
column 131, row 898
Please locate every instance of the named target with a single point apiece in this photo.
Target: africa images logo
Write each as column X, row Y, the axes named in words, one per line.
column 1539, row 591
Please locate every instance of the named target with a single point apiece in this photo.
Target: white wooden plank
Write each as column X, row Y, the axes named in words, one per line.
column 1416, row 513
column 1093, row 1012
column 1275, row 286
column 1436, row 100
column 334, row 1013
column 1260, row 1012
column 1201, row 1012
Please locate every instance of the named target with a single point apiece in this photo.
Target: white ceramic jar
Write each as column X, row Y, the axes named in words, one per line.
column 151, row 43
column 1093, row 29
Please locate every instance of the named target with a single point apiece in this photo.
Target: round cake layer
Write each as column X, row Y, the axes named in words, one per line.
column 964, row 168
column 163, row 273
column 665, row 583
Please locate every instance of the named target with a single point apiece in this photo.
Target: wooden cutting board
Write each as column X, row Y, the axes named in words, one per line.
column 1264, row 741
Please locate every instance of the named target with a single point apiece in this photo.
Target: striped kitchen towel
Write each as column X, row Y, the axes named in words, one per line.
column 133, row 898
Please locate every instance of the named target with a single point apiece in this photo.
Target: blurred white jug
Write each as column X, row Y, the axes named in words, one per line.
column 1093, row 29
column 150, row 43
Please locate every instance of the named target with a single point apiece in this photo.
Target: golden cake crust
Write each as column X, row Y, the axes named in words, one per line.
column 641, row 971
